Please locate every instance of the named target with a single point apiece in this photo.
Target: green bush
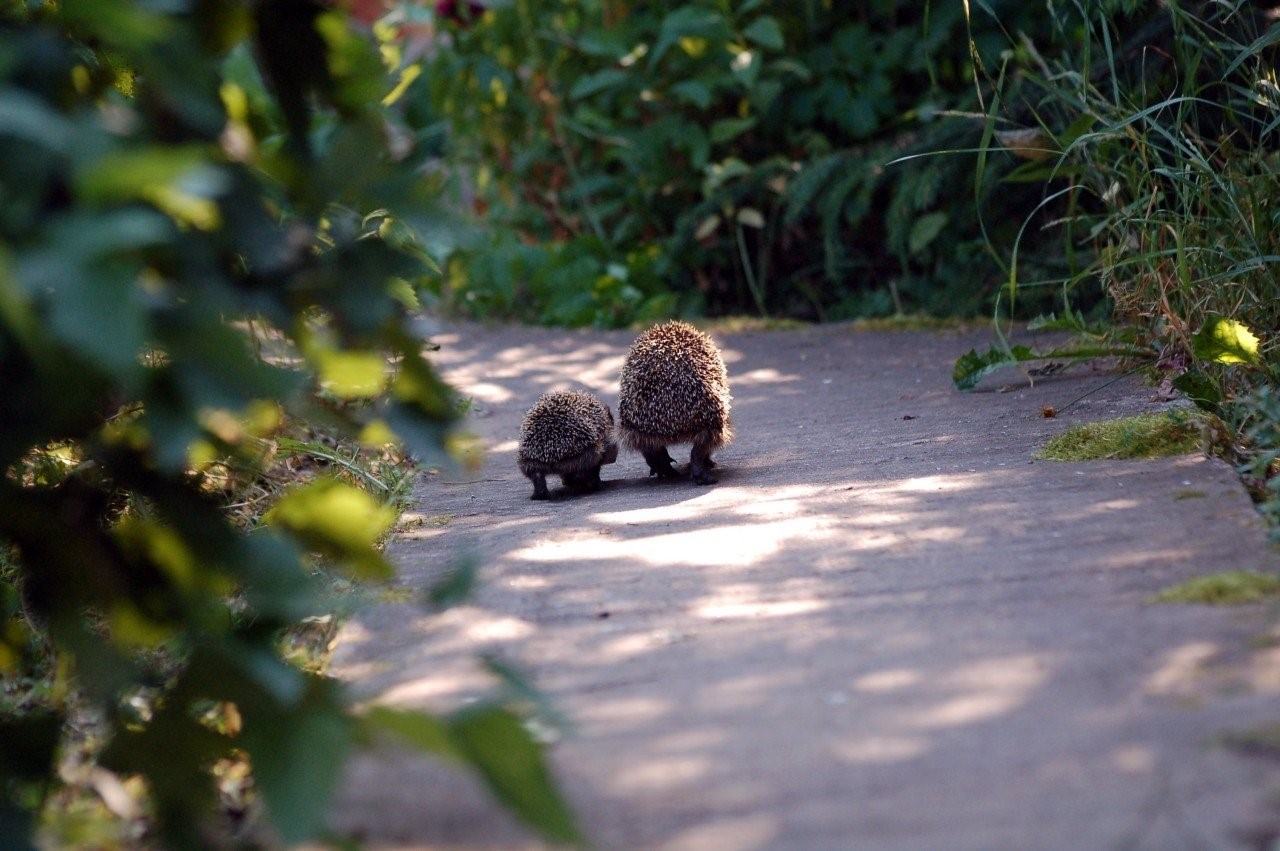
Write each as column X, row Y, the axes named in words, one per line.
column 1164, row 181
column 768, row 158
column 167, row 204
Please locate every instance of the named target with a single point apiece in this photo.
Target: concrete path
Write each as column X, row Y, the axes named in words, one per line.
column 887, row 627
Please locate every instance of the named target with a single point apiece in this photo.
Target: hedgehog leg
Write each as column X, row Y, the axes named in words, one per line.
column 540, row 486
column 660, row 462
column 700, row 464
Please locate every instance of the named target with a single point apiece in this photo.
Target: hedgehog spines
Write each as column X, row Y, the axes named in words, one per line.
column 569, row 434
column 675, row 389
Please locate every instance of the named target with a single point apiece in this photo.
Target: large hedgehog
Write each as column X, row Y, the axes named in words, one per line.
column 675, row 390
column 568, row 434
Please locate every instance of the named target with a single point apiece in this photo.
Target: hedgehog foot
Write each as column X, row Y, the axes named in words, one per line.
column 660, row 463
column 540, row 487
column 700, row 465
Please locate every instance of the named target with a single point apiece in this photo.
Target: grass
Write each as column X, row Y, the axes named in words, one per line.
column 1169, row 161
column 1230, row 588
column 917, row 322
column 1141, row 436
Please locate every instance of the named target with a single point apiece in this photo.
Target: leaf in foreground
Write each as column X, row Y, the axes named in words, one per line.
column 511, row 762
column 496, row 744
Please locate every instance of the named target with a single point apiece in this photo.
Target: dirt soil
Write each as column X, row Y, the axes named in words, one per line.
column 888, row 627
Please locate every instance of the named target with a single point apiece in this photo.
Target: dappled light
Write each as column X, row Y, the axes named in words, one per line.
column 889, row 596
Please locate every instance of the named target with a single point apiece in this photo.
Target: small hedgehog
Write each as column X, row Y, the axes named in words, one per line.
column 569, row 434
column 675, row 390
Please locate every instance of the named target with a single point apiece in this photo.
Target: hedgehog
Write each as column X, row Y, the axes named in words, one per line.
column 569, row 434
column 675, row 390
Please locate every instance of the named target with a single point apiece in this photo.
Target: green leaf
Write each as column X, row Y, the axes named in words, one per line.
column 495, row 742
column 425, row 732
column 520, row 691
column 1225, row 341
column 338, row 520
column 1200, row 389
column 598, row 82
column 686, row 22
column 727, row 129
column 297, row 758
column 25, row 117
column 972, row 367
column 117, row 22
column 809, row 184
column 130, row 174
column 693, row 92
column 455, row 587
column 925, row 231
column 765, row 32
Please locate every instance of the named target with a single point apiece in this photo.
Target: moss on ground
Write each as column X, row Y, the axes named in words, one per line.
column 917, row 322
column 1141, row 436
column 738, row 324
column 1231, row 588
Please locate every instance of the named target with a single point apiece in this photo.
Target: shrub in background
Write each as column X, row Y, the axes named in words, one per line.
column 632, row 160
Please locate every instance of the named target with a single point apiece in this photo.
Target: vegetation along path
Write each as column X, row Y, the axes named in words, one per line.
column 887, row 627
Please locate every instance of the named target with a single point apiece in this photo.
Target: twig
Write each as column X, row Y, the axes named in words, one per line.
column 1099, row 387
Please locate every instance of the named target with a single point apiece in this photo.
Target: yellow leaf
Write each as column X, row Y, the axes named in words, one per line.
column 263, row 417
column 407, row 76
column 1225, row 341
column 377, row 434
column 338, row 520
column 693, row 46
column 351, row 375
column 130, row 627
column 159, row 545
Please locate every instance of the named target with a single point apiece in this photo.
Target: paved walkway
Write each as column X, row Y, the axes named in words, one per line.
column 886, row 628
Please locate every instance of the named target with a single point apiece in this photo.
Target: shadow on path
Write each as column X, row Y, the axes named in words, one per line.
column 886, row 627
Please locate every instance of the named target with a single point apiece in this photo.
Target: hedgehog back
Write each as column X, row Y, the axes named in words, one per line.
column 563, row 426
column 675, row 388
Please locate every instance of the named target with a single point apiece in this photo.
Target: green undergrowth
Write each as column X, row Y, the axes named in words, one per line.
column 1141, row 436
column 627, row 162
column 1230, row 588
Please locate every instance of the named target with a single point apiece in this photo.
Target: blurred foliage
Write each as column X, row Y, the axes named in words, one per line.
column 180, row 182
column 627, row 161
